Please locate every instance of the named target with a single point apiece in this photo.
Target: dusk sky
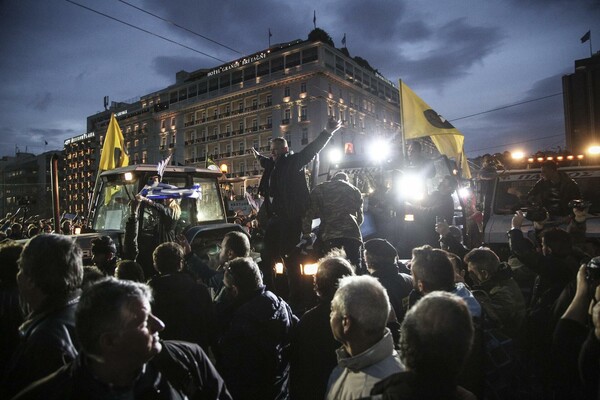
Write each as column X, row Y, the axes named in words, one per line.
column 462, row 57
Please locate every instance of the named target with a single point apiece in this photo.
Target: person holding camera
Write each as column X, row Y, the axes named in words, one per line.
column 575, row 358
column 554, row 190
column 555, row 266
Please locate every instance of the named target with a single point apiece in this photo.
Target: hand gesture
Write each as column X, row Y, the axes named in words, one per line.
column 334, row 125
column 517, row 220
column 255, row 153
column 183, row 242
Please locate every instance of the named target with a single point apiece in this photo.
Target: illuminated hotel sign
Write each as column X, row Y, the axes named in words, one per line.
column 383, row 78
column 120, row 113
column 79, row 138
column 239, row 63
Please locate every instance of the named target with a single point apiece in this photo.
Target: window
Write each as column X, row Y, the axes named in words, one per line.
column 269, row 100
column 303, row 87
column 303, row 113
column 286, row 91
column 144, row 157
column 287, row 114
column 255, row 143
column 172, row 122
column 269, row 121
column 242, row 147
column 310, row 55
column 136, row 143
column 276, row 64
column 163, row 124
column 291, row 60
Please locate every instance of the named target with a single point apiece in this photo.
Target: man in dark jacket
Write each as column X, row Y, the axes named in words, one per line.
column 496, row 290
column 49, row 278
column 122, row 356
column 313, row 345
column 104, row 255
column 287, row 197
column 436, row 337
column 382, row 263
column 339, row 205
column 182, row 303
column 554, row 190
column 252, row 348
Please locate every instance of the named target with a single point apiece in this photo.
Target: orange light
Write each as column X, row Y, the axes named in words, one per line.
column 530, row 159
column 580, row 156
column 309, row 269
column 224, row 168
column 517, row 155
column 540, row 159
column 549, row 158
column 279, row 268
column 570, row 157
column 559, row 158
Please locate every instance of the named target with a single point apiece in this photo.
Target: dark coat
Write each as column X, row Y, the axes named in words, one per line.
column 285, row 180
column 180, row 369
column 555, row 197
column 253, row 347
column 313, row 354
column 407, row 386
column 48, row 341
column 185, row 307
column 398, row 287
column 502, row 300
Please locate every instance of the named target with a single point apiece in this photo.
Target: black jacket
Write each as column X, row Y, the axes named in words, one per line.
column 185, row 307
column 555, row 197
column 180, row 369
column 285, row 180
column 252, row 351
column 48, row 342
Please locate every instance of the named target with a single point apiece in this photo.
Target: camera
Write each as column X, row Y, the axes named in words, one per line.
column 592, row 271
column 579, row 204
column 535, row 213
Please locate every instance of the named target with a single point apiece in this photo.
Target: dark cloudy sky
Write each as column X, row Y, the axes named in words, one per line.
column 462, row 57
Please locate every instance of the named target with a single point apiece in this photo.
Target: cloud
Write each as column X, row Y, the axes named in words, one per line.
column 42, row 101
column 458, row 47
column 169, row 66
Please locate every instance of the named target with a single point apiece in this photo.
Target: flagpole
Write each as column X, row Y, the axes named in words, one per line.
column 591, row 54
column 402, row 137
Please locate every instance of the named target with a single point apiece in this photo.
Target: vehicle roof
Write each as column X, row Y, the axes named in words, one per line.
column 141, row 168
column 537, row 169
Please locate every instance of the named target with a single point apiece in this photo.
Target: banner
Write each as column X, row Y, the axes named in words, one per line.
column 113, row 140
column 420, row 120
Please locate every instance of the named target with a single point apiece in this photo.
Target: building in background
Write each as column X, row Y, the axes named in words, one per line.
column 581, row 97
column 216, row 115
column 26, row 183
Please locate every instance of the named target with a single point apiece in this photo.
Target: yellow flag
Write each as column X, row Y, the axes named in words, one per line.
column 113, row 140
column 420, row 120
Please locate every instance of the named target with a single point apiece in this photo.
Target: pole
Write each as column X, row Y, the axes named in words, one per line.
column 402, row 137
column 54, row 180
column 591, row 53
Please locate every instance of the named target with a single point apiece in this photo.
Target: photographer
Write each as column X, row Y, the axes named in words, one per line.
column 570, row 334
column 555, row 267
column 554, row 191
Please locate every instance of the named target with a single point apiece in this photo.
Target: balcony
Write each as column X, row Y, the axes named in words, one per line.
column 304, row 118
column 285, row 121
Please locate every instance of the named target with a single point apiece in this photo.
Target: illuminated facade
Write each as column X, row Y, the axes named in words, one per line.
column 289, row 90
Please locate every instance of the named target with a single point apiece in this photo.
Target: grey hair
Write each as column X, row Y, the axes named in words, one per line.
column 365, row 300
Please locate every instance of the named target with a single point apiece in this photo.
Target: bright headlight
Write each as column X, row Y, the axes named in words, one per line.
column 410, row 187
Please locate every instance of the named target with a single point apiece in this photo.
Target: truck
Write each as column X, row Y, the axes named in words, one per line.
column 203, row 218
column 517, row 183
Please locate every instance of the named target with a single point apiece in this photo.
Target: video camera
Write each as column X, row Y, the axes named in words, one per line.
column 592, row 271
column 579, row 204
column 535, row 213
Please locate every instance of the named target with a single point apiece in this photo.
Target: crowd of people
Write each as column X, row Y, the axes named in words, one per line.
column 452, row 323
